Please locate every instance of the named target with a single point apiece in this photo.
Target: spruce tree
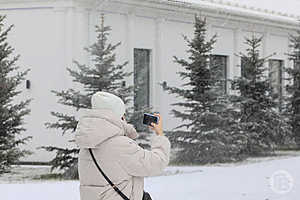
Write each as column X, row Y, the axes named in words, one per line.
column 292, row 109
column 260, row 119
column 102, row 75
column 204, row 136
column 11, row 113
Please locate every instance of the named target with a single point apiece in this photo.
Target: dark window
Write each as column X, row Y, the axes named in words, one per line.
column 297, row 78
column 275, row 75
column 243, row 70
column 219, row 69
column 248, row 70
column 141, row 78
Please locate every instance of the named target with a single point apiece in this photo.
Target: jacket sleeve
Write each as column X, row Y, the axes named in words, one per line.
column 140, row 162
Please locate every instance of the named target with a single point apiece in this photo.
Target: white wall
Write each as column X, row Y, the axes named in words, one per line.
column 39, row 38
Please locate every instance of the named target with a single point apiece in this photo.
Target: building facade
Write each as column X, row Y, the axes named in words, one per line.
column 50, row 34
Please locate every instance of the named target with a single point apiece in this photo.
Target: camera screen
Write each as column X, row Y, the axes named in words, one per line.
column 148, row 119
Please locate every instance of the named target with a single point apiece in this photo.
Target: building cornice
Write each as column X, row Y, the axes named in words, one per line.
column 215, row 11
column 205, row 7
column 239, row 5
column 31, row 4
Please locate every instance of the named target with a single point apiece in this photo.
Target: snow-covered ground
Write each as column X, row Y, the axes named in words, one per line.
column 273, row 179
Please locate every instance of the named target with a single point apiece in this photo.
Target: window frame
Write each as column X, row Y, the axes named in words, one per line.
column 148, row 71
column 225, row 71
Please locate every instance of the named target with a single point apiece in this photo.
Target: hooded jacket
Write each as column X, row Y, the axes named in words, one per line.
column 119, row 156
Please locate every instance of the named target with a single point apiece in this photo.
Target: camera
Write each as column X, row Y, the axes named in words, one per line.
column 149, row 118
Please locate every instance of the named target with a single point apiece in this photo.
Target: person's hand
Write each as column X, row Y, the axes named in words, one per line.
column 157, row 127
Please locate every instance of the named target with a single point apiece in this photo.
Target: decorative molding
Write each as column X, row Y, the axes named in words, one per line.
column 218, row 12
column 238, row 5
column 211, row 8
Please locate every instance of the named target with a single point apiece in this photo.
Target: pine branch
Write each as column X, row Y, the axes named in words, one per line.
column 73, row 98
column 11, row 113
column 103, row 74
column 64, row 122
column 64, row 158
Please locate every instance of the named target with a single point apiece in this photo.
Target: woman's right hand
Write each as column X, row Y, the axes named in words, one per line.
column 157, row 127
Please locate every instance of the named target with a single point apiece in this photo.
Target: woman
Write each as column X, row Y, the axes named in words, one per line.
column 104, row 129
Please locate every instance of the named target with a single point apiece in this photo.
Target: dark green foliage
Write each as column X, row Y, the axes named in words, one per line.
column 260, row 119
column 11, row 114
column 102, row 75
column 292, row 109
column 217, row 127
column 51, row 176
column 204, row 135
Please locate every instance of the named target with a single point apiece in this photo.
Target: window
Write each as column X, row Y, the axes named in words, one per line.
column 275, row 75
column 219, row 66
column 141, row 78
column 297, row 78
column 243, row 64
column 247, row 69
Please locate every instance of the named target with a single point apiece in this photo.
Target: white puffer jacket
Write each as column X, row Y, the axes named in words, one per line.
column 119, row 156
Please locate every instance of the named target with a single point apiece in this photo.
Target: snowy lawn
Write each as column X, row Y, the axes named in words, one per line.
column 224, row 182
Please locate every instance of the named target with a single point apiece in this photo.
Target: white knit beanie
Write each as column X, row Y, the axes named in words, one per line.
column 105, row 100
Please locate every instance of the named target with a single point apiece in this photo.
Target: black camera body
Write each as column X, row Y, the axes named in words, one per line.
column 149, row 118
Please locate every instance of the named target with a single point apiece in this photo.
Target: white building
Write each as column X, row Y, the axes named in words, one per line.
column 49, row 34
